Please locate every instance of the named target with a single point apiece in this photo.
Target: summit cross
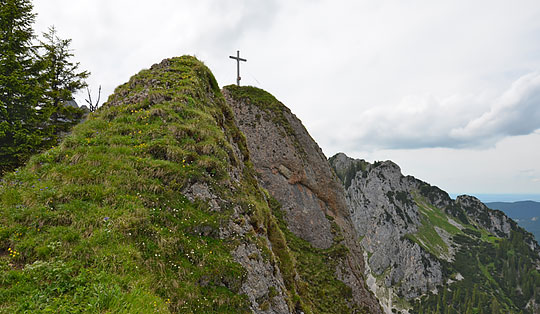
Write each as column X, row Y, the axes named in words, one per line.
column 238, row 59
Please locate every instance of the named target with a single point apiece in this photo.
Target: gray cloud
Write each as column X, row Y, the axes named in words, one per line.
column 516, row 112
column 453, row 122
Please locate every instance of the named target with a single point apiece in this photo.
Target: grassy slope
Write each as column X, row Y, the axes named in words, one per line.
column 98, row 224
column 427, row 236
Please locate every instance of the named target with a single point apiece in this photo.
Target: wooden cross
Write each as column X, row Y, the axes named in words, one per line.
column 238, row 59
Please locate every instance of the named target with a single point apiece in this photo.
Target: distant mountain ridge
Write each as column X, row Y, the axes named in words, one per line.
column 506, row 197
column 525, row 213
column 428, row 253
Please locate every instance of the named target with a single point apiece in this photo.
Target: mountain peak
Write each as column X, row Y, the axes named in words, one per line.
column 178, row 197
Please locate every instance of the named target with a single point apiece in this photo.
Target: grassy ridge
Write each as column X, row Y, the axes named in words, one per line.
column 99, row 223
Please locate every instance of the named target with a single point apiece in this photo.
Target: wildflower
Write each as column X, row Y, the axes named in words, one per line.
column 106, row 219
column 13, row 253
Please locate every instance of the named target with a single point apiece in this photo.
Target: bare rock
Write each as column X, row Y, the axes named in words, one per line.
column 292, row 167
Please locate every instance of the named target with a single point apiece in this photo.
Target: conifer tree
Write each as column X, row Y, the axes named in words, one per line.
column 495, row 307
column 61, row 79
column 20, row 88
column 469, row 307
column 36, row 82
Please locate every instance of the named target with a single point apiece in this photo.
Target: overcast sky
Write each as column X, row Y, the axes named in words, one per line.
column 449, row 90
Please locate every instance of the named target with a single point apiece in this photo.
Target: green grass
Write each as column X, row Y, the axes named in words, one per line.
column 436, row 216
column 99, row 224
column 487, row 236
column 427, row 236
column 319, row 289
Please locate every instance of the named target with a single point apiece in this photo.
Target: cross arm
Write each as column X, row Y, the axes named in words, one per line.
column 237, row 58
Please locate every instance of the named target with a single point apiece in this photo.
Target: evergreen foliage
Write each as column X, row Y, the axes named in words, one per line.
column 61, row 78
column 35, row 84
column 499, row 277
column 20, row 86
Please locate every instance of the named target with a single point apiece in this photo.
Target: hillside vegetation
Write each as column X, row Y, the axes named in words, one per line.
column 152, row 205
column 525, row 213
column 99, row 223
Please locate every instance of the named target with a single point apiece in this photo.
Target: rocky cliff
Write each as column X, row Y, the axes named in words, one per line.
column 292, row 167
column 417, row 238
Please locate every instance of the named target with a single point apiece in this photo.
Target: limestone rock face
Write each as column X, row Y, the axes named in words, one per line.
column 412, row 231
column 292, row 167
column 384, row 212
column 494, row 221
column 264, row 284
column 298, row 180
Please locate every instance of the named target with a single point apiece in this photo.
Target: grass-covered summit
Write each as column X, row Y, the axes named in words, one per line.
column 111, row 220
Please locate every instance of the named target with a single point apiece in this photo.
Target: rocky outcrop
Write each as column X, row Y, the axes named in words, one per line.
column 384, row 212
column 416, row 238
column 495, row 221
column 236, row 192
column 292, row 167
column 263, row 284
column 174, row 198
